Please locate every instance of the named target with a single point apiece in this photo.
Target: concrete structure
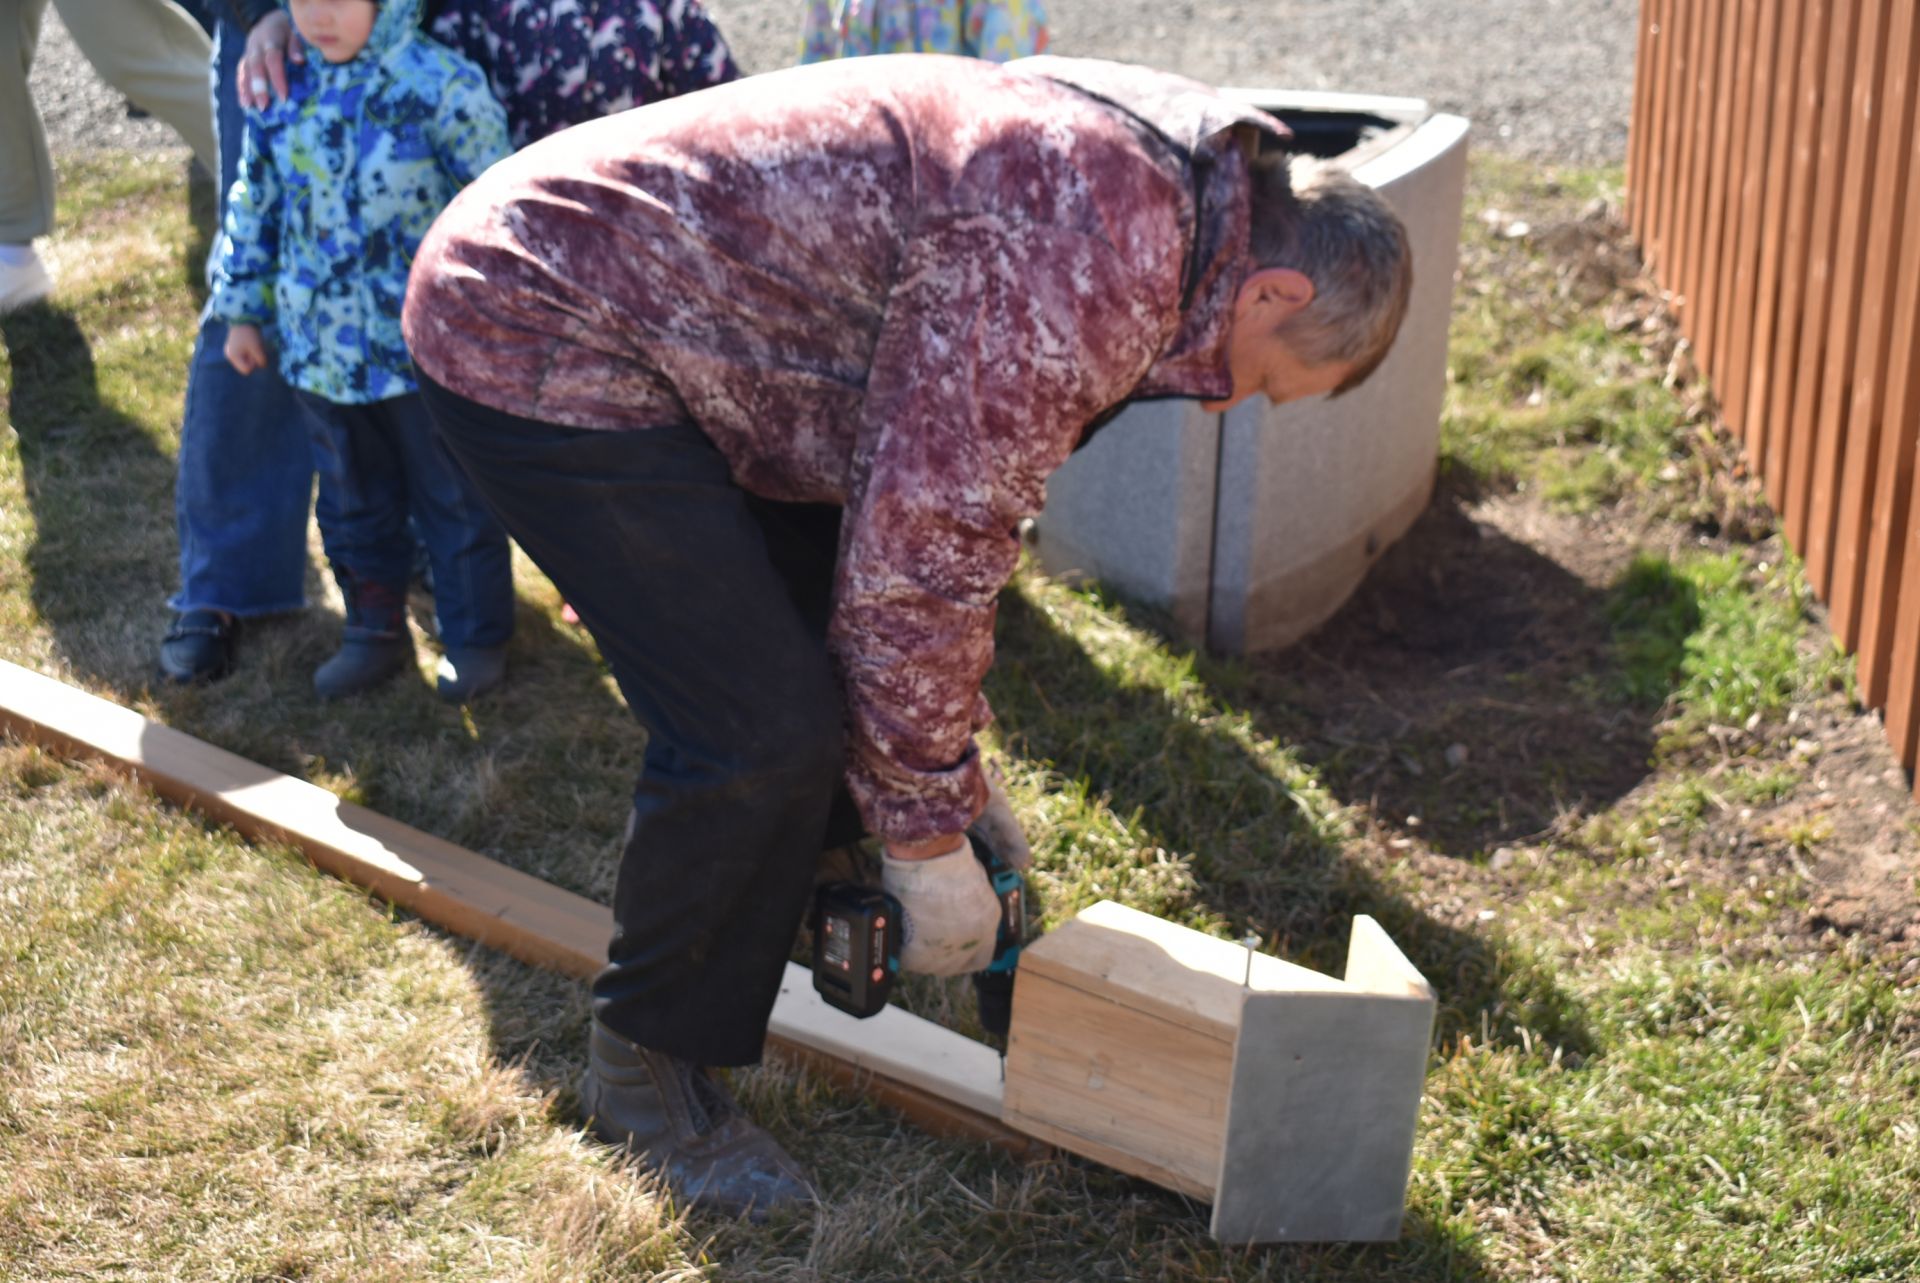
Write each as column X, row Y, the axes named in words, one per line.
column 1252, row 527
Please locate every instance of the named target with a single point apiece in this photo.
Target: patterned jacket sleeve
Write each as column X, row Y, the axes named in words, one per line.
column 470, row 127
column 1000, row 343
column 250, row 249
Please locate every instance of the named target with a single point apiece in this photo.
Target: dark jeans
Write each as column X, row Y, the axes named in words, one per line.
column 710, row 606
column 382, row 463
column 245, row 476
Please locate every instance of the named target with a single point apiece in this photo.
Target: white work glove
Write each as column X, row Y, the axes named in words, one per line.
column 1001, row 828
column 951, row 913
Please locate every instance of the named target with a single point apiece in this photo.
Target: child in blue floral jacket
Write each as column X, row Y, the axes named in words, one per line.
column 338, row 184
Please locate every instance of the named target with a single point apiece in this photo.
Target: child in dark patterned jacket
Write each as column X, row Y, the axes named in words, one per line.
column 339, row 182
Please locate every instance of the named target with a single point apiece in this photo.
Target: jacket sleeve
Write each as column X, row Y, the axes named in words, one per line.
column 999, row 344
column 469, row 127
column 250, row 246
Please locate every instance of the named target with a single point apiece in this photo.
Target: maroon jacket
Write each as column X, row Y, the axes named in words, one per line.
column 903, row 284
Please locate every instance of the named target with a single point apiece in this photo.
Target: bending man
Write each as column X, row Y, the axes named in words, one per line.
column 764, row 379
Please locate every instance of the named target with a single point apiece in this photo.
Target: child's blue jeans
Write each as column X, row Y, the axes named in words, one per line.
column 245, row 469
column 382, row 463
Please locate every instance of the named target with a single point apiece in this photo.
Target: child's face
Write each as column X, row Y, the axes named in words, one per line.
column 338, row 29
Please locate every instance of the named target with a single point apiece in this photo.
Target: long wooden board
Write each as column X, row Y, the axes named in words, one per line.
column 948, row 1083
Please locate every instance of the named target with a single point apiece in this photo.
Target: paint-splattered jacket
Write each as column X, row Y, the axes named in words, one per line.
column 901, row 284
column 338, row 183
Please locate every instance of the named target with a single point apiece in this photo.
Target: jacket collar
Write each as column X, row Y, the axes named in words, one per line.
column 1213, row 138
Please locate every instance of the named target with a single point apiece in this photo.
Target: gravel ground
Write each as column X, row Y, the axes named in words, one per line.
column 1545, row 79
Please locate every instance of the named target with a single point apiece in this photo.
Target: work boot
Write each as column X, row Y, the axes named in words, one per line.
column 375, row 645
column 466, row 671
column 684, row 1125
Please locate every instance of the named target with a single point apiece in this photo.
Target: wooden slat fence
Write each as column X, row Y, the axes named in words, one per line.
column 1773, row 174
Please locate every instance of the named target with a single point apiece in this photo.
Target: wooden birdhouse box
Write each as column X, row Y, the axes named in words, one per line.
column 1284, row 1097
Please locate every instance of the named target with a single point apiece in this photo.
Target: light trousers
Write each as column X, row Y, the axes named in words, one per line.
column 150, row 50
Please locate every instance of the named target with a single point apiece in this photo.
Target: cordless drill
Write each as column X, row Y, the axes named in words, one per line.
column 857, row 937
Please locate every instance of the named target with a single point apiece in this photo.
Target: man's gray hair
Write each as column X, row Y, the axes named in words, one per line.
column 1317, row 219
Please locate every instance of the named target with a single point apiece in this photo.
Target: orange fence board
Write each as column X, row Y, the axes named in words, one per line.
column 1843, row 315
column 1892, row 621
column 1875, row 310
column 1723, row 176
column 1746, row 218
column 1774, row 184
column 1803, row 424
column 1782, row 141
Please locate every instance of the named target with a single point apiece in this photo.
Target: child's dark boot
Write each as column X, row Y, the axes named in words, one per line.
column 466, row 671
column 375, row 647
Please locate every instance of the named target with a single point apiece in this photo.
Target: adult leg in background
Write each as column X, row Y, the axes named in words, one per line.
column 245, row 472
column 26, row 169
column 155, row 53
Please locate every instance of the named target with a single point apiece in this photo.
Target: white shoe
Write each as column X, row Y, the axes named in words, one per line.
column 23, row 279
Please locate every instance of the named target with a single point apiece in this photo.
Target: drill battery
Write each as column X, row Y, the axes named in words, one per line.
column 856, row 946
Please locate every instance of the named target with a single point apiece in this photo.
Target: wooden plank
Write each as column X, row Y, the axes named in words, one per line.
column 1734, row 81
column 1641, row 122
column 1105, row 1079
column 1754, row 147
column 1669, row 143
column 1788, row 371
column 1842, row 318
column 1657, row 161
column 1691, row 264
column 921, row 1068
column 1176, row 974
column 1894, row 566
column 1764, row 436
column 1856, row 508
column 1804, row 424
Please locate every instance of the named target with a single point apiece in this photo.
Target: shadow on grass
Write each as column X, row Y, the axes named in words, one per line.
column 101, row 492
column 1471, row 693
column 1262, row 860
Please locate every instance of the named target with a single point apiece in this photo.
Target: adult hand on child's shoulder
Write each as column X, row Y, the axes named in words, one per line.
column 246, row 351
column 262, row 74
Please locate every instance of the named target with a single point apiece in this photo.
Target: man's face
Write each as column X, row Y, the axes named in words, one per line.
column 1259, row 360
column 338, row 29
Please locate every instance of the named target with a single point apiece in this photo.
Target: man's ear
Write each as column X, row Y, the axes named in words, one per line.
column 1277, row 293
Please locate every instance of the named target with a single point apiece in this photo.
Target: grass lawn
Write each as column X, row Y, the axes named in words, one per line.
column 218, row 1064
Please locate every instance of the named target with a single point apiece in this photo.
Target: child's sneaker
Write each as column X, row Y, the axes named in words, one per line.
column 23, row 277
column 466, row 671
column 360, row 664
